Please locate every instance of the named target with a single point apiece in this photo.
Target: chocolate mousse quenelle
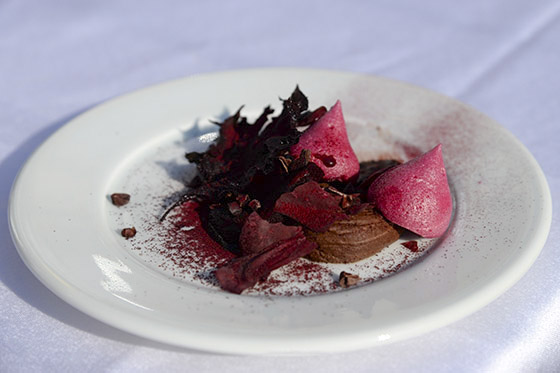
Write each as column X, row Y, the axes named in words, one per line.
column 269, row 193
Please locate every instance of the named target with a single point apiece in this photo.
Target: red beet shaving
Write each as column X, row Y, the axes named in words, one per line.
column 244, row 272
column 257, row 234
column 311, row 206
column 189, row 220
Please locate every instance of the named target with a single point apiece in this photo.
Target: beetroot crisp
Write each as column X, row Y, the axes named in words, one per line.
column 257, row 234
column 256, row 198
column 311, row 206
column 244, row 272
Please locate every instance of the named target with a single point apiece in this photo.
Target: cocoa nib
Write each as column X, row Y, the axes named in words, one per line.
column 347, row 279
column 285, row 162
column 348, row 200
column 255, row 205
column 244, row 272
column 128, row 232
column 301, row 161
column 310, row 172
column 120, row 199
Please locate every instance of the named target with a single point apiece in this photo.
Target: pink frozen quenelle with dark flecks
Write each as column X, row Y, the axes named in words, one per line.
column 415, row 195
column 330, row 148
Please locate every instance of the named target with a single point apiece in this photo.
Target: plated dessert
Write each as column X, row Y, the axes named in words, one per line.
column 289, row 187
column 160, row 283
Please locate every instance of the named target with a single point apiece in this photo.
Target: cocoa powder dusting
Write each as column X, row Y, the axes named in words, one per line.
column 289, row 279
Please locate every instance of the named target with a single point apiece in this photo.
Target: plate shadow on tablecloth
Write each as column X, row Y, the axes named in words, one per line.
column 19, row 279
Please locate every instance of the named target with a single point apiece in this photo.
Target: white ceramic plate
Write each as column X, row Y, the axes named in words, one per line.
column 67, row 232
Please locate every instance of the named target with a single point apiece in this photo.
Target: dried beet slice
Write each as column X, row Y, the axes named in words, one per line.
column 188, row 217
column 244, row 272
column 257, row 234
column 311, row 206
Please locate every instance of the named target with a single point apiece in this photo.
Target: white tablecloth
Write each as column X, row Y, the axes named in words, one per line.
column 60, row 58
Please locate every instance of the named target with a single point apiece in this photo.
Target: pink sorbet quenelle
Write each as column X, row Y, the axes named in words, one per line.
column 330, row 148
column 415, row 194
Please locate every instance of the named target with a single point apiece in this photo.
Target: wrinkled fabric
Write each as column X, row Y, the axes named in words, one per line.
column 58, row 59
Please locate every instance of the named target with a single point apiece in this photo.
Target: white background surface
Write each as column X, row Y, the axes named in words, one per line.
column 58, row 59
